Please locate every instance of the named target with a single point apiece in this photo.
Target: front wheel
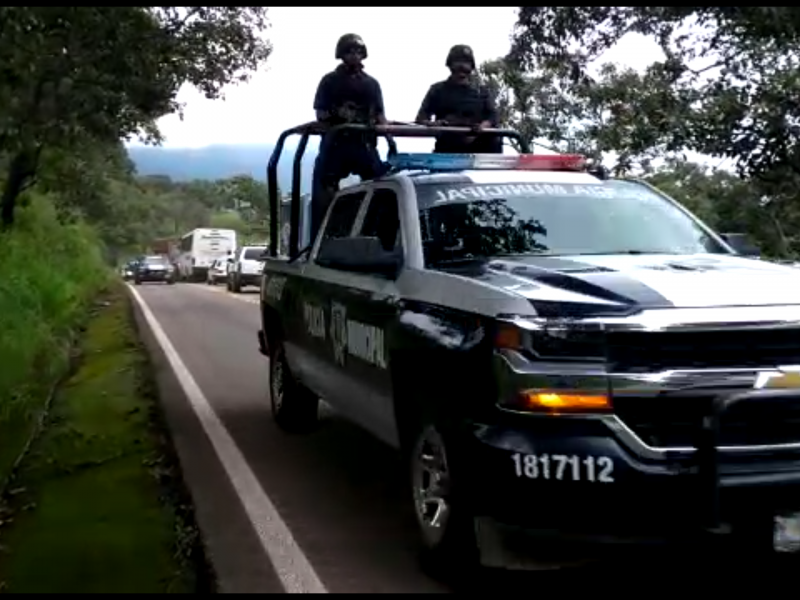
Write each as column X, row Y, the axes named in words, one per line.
column 295, row 409
column 446, row 525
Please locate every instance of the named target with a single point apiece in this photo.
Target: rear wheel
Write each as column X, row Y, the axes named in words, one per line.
column 295, row 409
column 236, row 288
column 447, row 527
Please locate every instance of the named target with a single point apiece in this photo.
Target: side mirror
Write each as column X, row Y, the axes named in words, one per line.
column 742, row 244
column 360, row 255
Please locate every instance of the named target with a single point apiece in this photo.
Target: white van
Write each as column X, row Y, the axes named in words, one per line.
column 201, row 247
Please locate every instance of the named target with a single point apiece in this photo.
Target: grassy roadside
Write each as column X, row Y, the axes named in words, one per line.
column 50, row 272
column 98, row 505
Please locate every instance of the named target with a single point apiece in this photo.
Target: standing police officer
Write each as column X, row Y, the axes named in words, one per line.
column 459, row 101
column 346, row 95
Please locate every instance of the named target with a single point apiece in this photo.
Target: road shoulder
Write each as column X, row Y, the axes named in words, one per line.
column 98, row 504
column 232, row 546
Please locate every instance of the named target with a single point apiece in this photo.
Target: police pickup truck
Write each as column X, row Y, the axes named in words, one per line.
column 555, row 352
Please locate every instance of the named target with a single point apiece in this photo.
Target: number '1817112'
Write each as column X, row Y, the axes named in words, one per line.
column 564, row 467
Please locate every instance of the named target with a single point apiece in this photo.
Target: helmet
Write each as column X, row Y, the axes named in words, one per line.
column 460, row 52
column 347, row 41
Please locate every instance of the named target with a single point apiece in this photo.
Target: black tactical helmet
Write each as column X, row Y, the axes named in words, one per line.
column 347, row 41
column 460, row 52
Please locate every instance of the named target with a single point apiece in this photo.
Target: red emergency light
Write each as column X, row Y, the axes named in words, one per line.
column 551, row 162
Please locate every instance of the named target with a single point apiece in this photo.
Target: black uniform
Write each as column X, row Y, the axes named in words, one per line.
column 462, row 105
column 352, row 152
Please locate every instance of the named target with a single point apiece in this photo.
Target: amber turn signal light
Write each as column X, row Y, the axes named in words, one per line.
column 563, row 402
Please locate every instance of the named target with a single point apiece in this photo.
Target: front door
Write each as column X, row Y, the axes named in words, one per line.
column 361, row 310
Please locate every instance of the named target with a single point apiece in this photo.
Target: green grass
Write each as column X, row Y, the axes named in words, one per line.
column 96, row 508
column 49, row 273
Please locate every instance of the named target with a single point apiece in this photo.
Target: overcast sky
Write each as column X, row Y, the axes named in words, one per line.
column 407, row 50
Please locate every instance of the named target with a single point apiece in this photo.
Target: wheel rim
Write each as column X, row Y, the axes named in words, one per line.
column 431, row 486
column 277, row 385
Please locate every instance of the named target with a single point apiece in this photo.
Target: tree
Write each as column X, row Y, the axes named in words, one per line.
column 105, row 74
column 598, row 119
column 729, row 84
column 228, row 220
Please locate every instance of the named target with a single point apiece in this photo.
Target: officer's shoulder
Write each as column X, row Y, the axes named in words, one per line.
column 330, row 76
column 481, row 89
column 437, row 87
column 369, row 78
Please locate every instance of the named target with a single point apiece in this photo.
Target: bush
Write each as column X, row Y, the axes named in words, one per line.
column 49, row 271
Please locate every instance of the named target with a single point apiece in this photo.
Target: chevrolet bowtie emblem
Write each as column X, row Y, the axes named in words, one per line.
column 777, row 380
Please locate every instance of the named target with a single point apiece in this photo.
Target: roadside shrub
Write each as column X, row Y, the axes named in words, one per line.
column 49, row 271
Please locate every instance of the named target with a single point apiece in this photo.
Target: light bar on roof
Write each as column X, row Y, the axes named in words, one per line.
column 465, row 162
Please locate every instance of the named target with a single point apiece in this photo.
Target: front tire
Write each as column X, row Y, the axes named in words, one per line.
column 449, row 549
column 236, row 287
column 295, row 409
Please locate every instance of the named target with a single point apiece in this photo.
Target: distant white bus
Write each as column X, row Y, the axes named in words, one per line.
column 199, row 248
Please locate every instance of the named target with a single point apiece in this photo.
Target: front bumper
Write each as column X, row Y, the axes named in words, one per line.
column 249, row 278
column 591, row 478
column 148, row 276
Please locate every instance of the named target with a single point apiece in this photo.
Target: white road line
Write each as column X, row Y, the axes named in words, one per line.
column 291, row 564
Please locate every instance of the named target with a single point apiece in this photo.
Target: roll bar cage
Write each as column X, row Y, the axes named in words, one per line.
column 316, row 128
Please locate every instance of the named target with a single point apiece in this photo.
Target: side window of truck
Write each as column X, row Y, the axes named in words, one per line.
column 383, row 219
column 343, row 215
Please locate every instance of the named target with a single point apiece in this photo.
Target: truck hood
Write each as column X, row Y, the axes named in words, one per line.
column 645, row 281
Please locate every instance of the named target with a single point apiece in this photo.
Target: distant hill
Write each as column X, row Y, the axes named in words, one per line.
column 221, row 161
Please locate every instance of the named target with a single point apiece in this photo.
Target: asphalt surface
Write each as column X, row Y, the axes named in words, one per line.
column 338, row 491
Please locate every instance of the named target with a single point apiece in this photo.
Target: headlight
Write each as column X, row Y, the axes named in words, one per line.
column 558, row 339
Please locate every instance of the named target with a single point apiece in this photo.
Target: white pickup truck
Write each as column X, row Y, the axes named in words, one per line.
column 244, row 267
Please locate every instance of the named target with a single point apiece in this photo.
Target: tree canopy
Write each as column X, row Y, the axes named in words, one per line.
column 726, row 89
column 73, row 77
column 728, row 85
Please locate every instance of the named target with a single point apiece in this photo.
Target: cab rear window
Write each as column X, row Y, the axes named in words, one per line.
column 253, row 253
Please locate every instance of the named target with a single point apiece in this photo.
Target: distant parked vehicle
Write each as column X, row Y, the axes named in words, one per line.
column 154, row 268
column 217, row 272
column 199, row 248
column 244, row 267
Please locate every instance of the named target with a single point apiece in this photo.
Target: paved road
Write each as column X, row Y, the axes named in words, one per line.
column 338, row 491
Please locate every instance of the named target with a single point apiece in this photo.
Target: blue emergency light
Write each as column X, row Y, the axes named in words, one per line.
column 413, row 161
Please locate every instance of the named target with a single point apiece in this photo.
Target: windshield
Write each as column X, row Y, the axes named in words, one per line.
column 463, row 221
column 155, row 260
